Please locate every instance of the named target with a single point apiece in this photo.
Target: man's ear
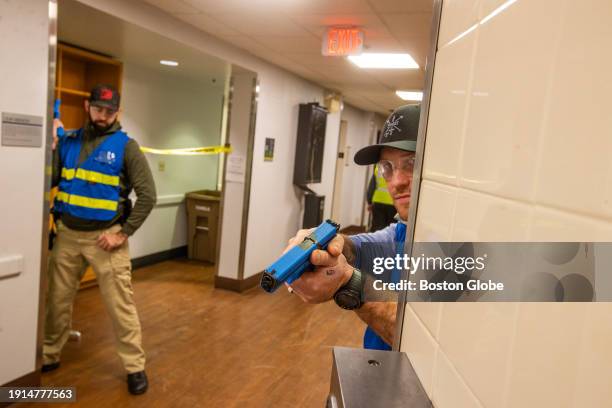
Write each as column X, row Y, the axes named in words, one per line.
column 86, row 105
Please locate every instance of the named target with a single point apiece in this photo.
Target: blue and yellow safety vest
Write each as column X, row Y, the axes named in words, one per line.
column 381, row 194
column 91, row 190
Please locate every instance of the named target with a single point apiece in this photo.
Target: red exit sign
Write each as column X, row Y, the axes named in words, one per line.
column 340, row 41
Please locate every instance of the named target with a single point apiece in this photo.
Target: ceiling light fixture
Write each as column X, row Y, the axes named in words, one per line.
column 410, row 95
column 384, row 61
column 169, row 63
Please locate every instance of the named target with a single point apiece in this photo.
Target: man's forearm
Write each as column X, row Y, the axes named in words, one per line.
column 380, row 316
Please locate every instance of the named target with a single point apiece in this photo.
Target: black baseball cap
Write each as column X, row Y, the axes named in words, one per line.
column 106, row 96
column 400, row 132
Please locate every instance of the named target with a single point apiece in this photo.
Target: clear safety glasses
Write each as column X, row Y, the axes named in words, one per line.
column 386, row 168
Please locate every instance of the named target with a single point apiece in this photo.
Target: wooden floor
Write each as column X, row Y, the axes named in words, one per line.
column 207, row 347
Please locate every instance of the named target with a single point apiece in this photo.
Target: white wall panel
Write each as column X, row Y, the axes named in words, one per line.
column 449, row 102
column 24, row 45
column 523, row 155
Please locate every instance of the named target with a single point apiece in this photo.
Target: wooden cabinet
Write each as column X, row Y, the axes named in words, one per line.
column 78, row 71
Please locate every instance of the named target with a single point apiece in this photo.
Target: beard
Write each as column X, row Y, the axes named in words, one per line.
column 100, row 126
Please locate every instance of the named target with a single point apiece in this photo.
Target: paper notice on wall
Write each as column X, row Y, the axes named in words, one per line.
column 236, row 168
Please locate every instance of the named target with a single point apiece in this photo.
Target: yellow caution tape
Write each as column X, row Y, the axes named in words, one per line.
column 189, row 150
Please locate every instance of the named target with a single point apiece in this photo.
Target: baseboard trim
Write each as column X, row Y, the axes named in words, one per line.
column 29, row 380
column 151, row 259
column 237, row 285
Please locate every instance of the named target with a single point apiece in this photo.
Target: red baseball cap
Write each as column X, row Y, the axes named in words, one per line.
column 106, row 96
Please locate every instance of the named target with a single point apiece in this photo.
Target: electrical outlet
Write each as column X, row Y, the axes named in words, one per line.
column 161, row 165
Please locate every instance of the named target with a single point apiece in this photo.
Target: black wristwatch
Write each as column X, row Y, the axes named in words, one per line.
column 349, row 296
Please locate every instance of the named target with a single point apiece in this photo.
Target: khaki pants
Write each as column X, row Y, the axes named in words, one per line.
column 71, row 251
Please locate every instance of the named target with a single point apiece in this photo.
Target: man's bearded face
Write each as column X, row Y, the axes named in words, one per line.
column 102, row 118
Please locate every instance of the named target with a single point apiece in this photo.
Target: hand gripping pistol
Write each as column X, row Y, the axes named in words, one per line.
column 296, row 261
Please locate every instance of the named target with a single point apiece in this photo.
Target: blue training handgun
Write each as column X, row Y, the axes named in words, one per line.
column 296, row 261
column 56, row 115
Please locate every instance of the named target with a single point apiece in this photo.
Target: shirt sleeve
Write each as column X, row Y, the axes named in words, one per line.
column 139, row 175
column 383, row 238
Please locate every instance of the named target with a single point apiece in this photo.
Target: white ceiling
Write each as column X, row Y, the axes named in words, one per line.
column 289, row 33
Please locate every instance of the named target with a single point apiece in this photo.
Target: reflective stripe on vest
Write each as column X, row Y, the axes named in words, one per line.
column 95, row 203
column 381, row 194
column 92, row 176
column 91, row 190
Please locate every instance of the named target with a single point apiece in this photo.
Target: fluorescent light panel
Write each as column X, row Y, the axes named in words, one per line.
column 410, row 95
column 169, row 63
column 384, row 61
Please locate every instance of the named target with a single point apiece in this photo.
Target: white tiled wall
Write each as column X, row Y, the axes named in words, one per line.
column 519, row 148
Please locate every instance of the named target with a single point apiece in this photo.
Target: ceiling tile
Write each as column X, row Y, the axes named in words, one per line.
column 247, row 43
column 317, row 60
column 318, row 23
column 418, row 48
column 303, row 44
column 263, row 7
column 173, row 6
column 383, row 44
column 399, row 6
column 340, row 76
column 413, row 79
column 208, row 24
column 329, row 7
column 268, row 25
column 408, row 25
column 235, row 6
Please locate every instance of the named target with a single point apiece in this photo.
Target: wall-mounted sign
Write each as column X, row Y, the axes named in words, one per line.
column 236, row 168
column 340, row 41
column 269, row 149
column 21, row 130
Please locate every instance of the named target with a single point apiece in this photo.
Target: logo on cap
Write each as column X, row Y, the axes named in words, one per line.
column 106, row 94
column 392, row 125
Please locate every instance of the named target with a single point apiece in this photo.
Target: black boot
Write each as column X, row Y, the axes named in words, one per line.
column 49, row 367
column 137, row 383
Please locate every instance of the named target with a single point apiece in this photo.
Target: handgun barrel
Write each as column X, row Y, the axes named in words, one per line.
column 294, row 262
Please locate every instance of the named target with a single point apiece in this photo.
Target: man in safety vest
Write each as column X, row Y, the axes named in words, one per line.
column 95, row 168
column 380, row 202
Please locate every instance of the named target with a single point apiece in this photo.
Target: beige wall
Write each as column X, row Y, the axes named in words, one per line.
column 518, row 149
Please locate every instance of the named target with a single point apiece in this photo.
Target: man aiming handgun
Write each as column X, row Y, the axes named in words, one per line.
column 336, row 273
